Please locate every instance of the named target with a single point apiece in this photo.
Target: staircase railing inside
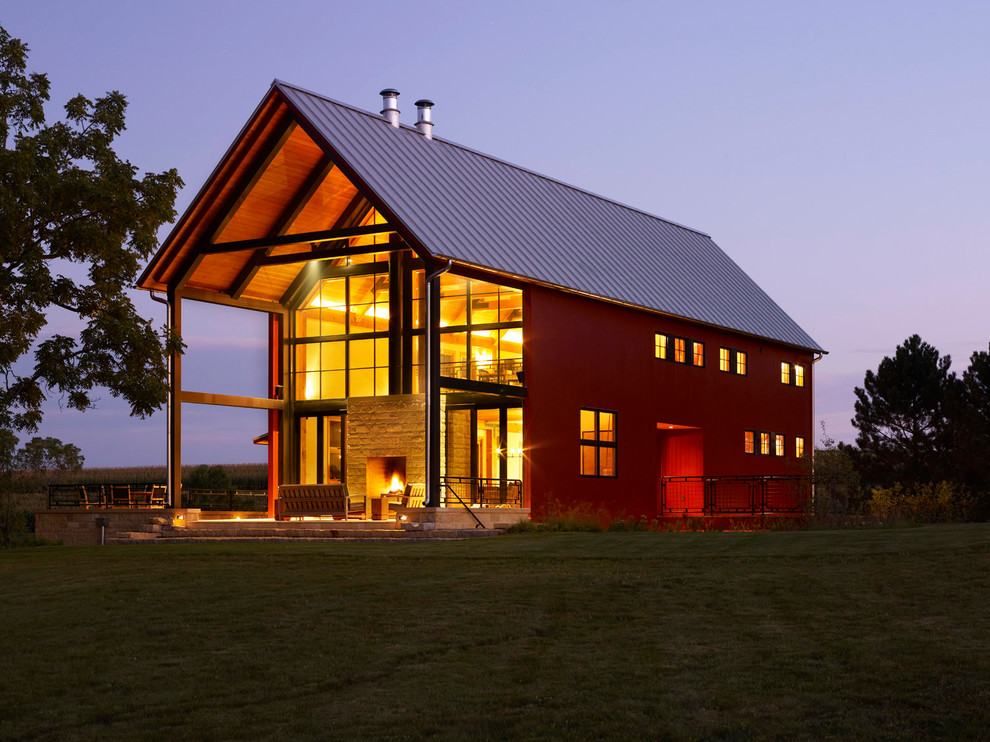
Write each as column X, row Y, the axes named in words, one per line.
column 734, row 495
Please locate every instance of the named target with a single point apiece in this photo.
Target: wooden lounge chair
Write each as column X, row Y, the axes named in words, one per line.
column 158, row 496
column 120, row 496
column 414, row 496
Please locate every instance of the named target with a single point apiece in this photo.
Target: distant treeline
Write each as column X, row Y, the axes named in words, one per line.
column 234, row 476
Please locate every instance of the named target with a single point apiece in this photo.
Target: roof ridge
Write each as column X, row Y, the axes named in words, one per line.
column 493, row 158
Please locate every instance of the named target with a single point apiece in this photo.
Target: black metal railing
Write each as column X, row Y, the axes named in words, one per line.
column 507, row 371
column 734, row 495
column 139, row 494
column 486, row 492
column 116, row 494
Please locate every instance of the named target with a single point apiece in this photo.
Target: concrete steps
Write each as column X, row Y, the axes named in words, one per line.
column 207, row 531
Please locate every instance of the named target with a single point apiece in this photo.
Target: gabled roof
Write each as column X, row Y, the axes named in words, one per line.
column 455, row 203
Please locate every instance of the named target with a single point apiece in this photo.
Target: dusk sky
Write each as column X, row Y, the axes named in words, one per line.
column 838, row 151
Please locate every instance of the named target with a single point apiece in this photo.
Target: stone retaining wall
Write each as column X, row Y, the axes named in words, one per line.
column 78, row 526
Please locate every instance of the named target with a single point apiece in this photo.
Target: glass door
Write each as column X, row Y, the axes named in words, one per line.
column 321, row 449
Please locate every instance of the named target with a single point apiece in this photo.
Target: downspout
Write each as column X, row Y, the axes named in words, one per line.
column 168, row 405
column 433, row 387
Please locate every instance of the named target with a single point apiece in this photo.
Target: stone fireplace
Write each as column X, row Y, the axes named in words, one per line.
column 385, row 429
column 385, row 474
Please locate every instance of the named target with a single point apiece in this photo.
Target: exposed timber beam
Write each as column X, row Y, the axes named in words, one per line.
column 325, row 235
column 257, row 170
column 285, row 221
column 327, row 252
column 230, row 400
column 212, row 297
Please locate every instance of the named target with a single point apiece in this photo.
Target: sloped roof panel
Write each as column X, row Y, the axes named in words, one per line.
column 476, row 209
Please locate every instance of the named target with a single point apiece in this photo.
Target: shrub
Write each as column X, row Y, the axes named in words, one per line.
column 919, row 503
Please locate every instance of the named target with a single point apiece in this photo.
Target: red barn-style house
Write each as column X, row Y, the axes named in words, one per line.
column 437, row 315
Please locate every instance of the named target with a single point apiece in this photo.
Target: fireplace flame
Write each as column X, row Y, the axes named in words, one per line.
column 396, row 485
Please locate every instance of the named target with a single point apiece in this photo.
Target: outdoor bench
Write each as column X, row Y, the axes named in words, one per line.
column 318, row 500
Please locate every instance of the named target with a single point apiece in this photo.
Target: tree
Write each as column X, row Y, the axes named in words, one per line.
column 970, row 413
column 48, row 454
column 901, row 415
column 67, row 198
column 837, row 488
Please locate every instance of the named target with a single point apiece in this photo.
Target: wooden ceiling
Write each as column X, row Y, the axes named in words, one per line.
column 274, row 202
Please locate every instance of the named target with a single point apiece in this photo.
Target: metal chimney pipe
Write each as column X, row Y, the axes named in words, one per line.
column 424, row 124
column 390, row 106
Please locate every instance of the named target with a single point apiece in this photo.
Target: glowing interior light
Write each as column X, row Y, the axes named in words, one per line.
column 377, row 310
column 513, row 336
column 319, row 303
column 312, row 386
column 396, row 485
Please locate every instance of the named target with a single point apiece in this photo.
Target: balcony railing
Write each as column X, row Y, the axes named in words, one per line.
column 482, row 491
column 506, row 371
column 736, row 495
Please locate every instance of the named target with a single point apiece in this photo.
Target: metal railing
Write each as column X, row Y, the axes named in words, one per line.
column 734, row 495
column 101, row 496
column 507, row 371
column 486, row 492
column 89, row 495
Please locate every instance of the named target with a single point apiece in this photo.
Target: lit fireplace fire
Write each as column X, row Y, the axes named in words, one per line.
column 396, row 486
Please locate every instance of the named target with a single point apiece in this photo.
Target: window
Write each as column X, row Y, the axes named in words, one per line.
column 698, row 357
column 741, row 362
column 598, row 444
column 481, row 330
column 732, row 361
column 679, row 350
column 769, row 444
column 661, row 345
column 799, row 447
column 791, row 374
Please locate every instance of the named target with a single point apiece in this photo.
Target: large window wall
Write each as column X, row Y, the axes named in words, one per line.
column 358, row 335
column 342, row 347
column 480, row 331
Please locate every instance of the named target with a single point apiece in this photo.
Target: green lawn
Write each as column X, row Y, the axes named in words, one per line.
column 873, row 634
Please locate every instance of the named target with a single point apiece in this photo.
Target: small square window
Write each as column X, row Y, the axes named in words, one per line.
column 699, row 354
column 661, row 345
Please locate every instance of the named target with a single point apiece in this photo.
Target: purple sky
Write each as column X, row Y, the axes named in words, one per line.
column 839, row 151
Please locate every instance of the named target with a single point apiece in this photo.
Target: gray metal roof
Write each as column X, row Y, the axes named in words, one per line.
column 476, row 209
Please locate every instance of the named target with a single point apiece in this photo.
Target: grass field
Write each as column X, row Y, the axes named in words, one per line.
column 872, row 634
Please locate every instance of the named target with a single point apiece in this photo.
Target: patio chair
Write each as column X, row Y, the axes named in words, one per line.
column 120, row 496
column 90, row 499
column 413, row 497
column 158, row 496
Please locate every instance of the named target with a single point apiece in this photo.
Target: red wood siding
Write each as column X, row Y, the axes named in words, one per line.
column 585, row 353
